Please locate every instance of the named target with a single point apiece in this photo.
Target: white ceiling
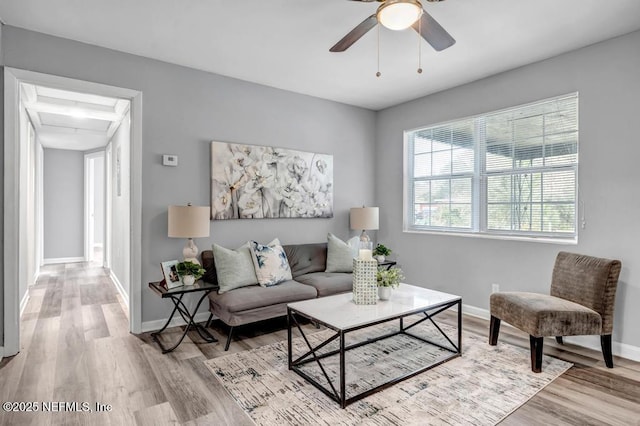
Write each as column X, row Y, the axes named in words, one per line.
column 285, row 43
column 71, row 120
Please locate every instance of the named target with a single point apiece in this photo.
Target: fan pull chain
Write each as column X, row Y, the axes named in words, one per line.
column 378, row 74
column 419, row 45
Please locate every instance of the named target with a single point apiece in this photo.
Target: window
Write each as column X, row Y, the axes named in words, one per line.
column 510, row 172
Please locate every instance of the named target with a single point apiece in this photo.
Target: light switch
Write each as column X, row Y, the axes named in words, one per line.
column 170, row 160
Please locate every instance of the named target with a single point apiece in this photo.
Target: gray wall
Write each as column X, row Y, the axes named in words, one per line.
column 606, row 76
column 185, row 109
column 63, row 204
column 120, row 145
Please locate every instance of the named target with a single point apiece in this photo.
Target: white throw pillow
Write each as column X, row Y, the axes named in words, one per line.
column 234, row 268
column 340, row 254
column 270, row 263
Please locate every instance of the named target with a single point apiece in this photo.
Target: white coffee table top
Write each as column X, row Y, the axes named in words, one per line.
column 341, row 313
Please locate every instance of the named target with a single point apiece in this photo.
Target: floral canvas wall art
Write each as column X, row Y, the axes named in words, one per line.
column 249, row 182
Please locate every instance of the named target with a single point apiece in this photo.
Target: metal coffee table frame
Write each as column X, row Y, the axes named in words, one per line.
column 313, row 356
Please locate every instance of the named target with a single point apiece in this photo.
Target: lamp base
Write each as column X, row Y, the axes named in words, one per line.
column 364, row 237
column 190, row 252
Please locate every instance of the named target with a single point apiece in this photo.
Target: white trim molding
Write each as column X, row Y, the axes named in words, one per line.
column 58, row 260
column 120, row 287
column 24, row 301
column 622, row 350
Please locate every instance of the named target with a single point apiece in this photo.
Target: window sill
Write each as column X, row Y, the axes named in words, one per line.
column 546, row 240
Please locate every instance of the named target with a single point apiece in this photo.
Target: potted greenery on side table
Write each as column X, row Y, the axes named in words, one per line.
column 388, row 279
column 380, row 252
column 190, row 272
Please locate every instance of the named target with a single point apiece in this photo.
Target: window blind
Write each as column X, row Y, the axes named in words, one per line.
column 508, row 172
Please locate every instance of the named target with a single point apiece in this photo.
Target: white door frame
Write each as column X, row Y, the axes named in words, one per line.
column 13, row 77
column 89, row 202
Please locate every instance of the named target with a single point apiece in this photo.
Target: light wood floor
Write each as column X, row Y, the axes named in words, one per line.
column 76, row 347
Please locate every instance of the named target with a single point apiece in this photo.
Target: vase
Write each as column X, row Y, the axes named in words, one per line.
column 380, row 258
column 188, row 280
column 384, row 293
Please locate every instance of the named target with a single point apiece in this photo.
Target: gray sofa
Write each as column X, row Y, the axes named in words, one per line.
column 247, row 305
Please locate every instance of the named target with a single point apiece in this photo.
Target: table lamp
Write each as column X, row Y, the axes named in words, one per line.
column 365, row 218
column 189, row 222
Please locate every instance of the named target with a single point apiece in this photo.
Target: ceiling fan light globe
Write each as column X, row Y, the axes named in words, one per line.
column 400, row 14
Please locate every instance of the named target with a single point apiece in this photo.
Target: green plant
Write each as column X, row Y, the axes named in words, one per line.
column 381, row 250
column 190, row 268
column 389, row 277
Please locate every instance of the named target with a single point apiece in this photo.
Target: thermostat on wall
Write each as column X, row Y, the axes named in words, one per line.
column 170, row 160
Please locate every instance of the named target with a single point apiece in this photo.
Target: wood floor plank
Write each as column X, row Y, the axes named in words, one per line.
column 52, row 302
column 95, row 324
column 97, row 294
column 161, row 414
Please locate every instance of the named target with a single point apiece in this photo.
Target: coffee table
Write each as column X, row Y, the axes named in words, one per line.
column 340, row 314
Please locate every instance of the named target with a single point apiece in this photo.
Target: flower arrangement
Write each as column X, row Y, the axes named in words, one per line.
column 190, row 268
column 389, row 277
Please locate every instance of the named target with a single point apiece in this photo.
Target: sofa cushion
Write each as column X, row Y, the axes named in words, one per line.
column 245, row 298
column 328, row 283
column 270, row 262
column 234, row 268
column 306, row 258
column 340, row 254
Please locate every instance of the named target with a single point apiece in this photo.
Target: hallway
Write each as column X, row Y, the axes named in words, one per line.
column 76, row 347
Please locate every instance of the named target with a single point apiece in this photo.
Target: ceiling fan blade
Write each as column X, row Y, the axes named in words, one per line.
column 355, row 34
column 433, row 33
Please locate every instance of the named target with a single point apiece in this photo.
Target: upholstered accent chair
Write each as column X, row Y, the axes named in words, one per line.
column 583, row 292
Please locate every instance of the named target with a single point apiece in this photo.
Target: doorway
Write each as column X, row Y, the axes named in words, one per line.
column 15, row 278
column 95, row 176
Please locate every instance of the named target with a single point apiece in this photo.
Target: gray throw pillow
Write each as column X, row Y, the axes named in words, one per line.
column 234, row 267
column 340, row 254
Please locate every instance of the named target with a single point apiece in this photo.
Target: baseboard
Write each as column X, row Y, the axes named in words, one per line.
column 593, row 342
column 57, row 260
column 175, row 322
column 120, row 287
column 24, row 301
column 622, row 350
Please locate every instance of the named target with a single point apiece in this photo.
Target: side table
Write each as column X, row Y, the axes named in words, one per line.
column 387, row 263
column 176, row 294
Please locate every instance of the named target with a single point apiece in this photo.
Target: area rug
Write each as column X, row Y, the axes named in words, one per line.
column 481, row 387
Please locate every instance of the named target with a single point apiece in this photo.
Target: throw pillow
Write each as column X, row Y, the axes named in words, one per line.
column 340, row 254
column 234, row 267
column 270, row 262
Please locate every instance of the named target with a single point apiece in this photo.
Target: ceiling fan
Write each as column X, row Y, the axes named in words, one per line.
column 400, row 15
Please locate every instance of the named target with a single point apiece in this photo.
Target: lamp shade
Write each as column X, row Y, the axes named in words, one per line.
column 188, row 221
column 364, row 218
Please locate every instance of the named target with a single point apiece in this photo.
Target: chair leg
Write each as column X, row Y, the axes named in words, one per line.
column 605, row 342
column 226, row 347
column 559, row 340
column 536, row 353
column 494, row 330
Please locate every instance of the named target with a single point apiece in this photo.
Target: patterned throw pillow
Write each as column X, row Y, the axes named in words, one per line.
column 270, row 262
